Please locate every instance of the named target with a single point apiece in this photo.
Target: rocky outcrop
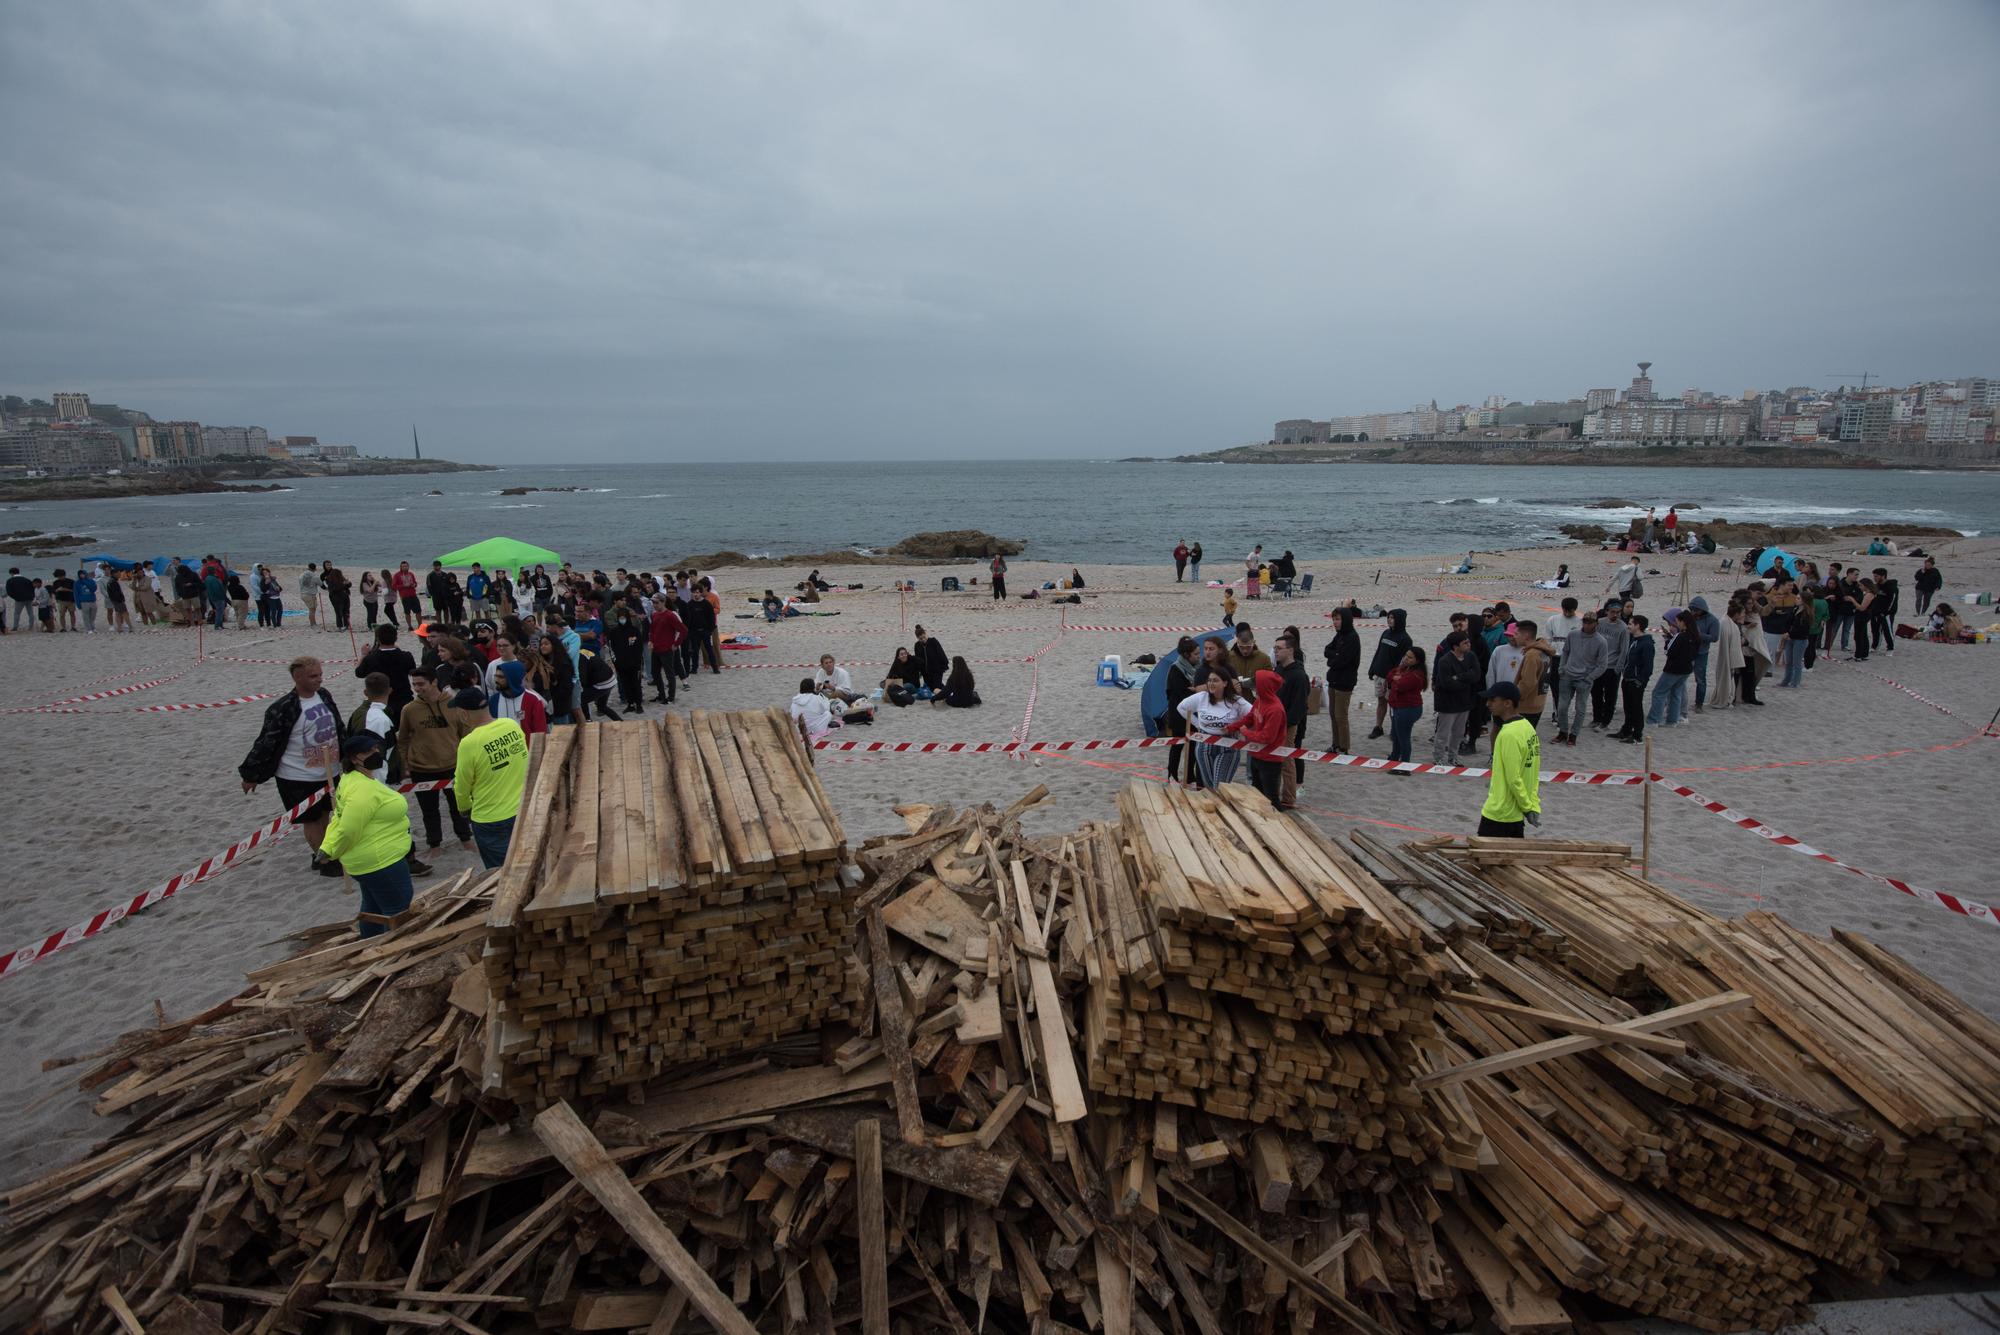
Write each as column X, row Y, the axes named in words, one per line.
column 956, row 545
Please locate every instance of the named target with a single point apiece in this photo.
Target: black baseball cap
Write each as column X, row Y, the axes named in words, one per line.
column 1503, row 690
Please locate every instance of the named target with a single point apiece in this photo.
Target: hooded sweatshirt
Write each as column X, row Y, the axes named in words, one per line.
column 1532, row 678
column 1265, row 724
column 1343, row 654
column 1454, row 681
column 1705, row 621
column 1389, row 650
column 1585, row 655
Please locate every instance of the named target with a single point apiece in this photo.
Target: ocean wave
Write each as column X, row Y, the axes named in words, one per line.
column 1469, row 500
column 523, row 505
column 656, row 496
column 598, row 490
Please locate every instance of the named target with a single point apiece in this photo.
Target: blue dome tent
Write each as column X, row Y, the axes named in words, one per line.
column 1153, row 696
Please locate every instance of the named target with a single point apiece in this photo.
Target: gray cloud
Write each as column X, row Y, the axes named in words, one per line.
column 632, row 230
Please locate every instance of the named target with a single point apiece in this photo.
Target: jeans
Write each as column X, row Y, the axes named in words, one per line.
column 1194, row 571
column 1216, row 764
column 666, row 672
column 427, row 803
column 1447, row 735
column 491, row 838
column 1923, row 601
column 1604, row 697
column 342, row 604
column 1265, row 776
column 1838, row 625
column 1701, row 677
column 1402, row 721
column 1795, row 663
column 1572, row 700
column 1746, row 683
column 1635, row 708
column 1180, row 571
column 384, row 893
column 1669, row 695
column 24, row 614
column 89, row 611
column 218, row 614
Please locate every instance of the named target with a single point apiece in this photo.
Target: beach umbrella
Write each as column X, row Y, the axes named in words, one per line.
column 502, row 552
column 1777, row 556
column 1153, row 695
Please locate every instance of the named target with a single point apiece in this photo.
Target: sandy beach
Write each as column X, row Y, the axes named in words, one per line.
column 109, row 801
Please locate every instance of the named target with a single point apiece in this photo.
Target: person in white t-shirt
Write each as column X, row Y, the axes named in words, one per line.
column 832, row 679
column 811, row 712
column 1210, row 710
column 299, row 747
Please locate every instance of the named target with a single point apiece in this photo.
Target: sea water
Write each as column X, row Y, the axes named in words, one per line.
column 1070, row 511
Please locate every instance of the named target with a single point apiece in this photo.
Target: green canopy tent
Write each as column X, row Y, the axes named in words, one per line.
column 511, row 553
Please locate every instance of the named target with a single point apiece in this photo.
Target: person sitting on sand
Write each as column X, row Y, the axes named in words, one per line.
column 833, row 680
column 1075, row 578
column 773, row 605
column 959, row 691
column 932, row 661
column 899, row 687
column 1465, row 566
column 1561, row 580
column 811, row 712
column 1945, row 627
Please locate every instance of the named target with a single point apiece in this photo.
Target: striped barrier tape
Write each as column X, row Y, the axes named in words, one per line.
column 207, row 869
column 164, row 709
column 133, row 689
column 1942, row 899
column 1590, row 778
column 1035, row 678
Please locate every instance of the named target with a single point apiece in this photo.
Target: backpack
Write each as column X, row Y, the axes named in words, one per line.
column 1638, row 588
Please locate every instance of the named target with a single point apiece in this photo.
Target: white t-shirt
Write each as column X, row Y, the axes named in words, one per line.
column 1504, row 665
column 1212, row 716
column 839, row 678
column 313, row 750
column 814, row 709
column 377, row 722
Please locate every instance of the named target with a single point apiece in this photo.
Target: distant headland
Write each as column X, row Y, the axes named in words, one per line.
column 233, row 474
column 1529, row 452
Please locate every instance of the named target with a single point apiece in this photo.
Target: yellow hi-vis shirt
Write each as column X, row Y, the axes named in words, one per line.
column 1515, row 788
column 370, row 828
column 492, row 770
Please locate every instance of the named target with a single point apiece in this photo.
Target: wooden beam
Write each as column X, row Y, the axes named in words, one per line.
column 571, row 1142
column 870, row 1225
column 1707, row 1008
column 1574, row 1024
column 893, row 1023
column 1065, row 1089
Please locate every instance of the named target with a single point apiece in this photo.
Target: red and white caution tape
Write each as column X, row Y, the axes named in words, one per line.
column 133, row 689
column 165, row 709
column 1035, row 678
column 1150, row 630
column 1969, row 908
column 1591, row 778
column 207, row 869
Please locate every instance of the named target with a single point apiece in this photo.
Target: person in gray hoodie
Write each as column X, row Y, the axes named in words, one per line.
column 1617, row 637
column 1583, row 658
column 1709, row 626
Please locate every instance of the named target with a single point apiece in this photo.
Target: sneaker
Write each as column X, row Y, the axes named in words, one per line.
column 1623, row 738
column 1374, row 734
column 331, row 869
column 418, row 868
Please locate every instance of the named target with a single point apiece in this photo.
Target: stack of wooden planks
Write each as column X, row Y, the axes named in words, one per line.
column 1251, row 968
column 675, row 891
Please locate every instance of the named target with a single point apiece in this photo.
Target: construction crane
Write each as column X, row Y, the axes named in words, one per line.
column 1846, row 376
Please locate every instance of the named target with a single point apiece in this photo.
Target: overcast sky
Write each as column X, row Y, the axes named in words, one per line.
column 709, row 232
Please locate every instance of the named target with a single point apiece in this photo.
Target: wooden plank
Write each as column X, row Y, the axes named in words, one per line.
column 870, row 1226
column 1693, row 1012
column 571, row 1142
column 980, row 1175
column 936, row 918
column 1248, row 1239
column 548, row 778
column 1065, row 1089
column 893, row 1023
column 1270, row 1169
column 572, row 887
column 1572, row 1023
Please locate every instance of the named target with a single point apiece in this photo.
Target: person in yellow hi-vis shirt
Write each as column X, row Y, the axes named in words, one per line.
column 369, row 834
column 1513, row 797
column 492, row 770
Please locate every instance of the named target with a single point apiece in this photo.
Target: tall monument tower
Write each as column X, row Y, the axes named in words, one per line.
column 1642, row 385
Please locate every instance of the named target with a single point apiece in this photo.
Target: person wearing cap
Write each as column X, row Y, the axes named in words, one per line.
column 1513, row 794
column 492, row 770
column 369, row 835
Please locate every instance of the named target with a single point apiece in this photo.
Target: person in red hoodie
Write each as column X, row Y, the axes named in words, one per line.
column 1264, row 727
column 665, row 631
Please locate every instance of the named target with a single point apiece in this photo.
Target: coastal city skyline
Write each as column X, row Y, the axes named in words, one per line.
column 976, row 234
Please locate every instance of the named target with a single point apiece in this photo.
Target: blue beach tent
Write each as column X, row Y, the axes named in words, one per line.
column 158, row 563
column 1776, row 556
column 1153, row 695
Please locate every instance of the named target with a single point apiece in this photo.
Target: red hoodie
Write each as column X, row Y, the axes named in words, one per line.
column 1264, row 726
column 666, row 630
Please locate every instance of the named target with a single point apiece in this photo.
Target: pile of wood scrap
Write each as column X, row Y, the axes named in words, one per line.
column 675, row 892
column 1247, row 966
column 337, row 1148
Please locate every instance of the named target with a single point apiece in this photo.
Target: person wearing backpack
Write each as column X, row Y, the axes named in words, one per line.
column 1625, row 581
